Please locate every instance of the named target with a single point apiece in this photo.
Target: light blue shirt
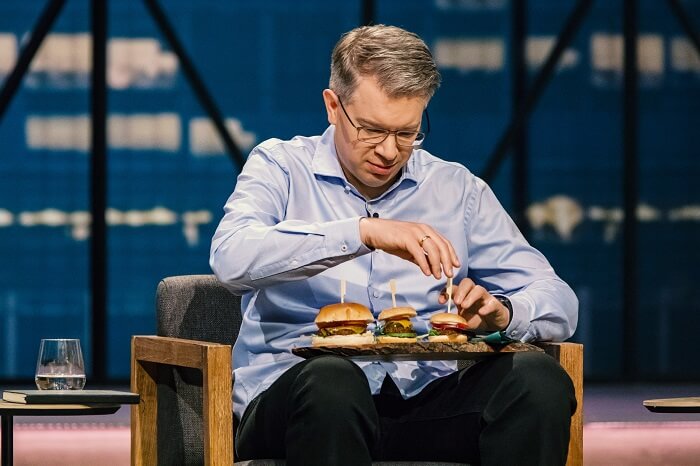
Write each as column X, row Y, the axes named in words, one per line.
column 290, row 233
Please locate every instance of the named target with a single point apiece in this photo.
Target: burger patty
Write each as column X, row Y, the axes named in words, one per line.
column 342, row 330
column 396, row 326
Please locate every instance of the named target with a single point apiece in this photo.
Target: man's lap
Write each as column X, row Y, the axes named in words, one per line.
column 425, row 426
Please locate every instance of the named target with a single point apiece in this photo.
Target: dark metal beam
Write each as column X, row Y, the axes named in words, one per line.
column 567, row 34
column 198, row 86
column 630, row 322
column 368, row 12
column 687, row 26
column 98, row 189
column 520, row 175
column 42, row 27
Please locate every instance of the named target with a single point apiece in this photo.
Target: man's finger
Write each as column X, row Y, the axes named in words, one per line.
column 419, row 258
column 449, row 255
column 462, row 290
column 443, row 247
column 445, row 256
column 432, row 252
column 476, row 296
column 474, row 321
column 490, row 306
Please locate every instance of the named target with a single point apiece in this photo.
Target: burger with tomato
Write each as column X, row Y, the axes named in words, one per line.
column 343, row 324
column 448, row 327
column 395, row 325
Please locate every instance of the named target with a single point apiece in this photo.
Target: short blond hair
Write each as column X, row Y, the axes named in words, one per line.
column 399, row 60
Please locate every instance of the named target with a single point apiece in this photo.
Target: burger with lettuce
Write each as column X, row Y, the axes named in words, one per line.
column 395, row 325
column 343, row 324
column 448, row 328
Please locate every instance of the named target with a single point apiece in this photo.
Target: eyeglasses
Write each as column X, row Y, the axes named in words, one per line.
column 378, row 135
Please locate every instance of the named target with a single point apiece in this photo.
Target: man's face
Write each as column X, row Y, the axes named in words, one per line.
column 372, row 168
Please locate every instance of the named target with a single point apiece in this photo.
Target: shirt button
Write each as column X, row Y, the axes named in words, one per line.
column 344, row 248
column 513, row 333
column 375, row 294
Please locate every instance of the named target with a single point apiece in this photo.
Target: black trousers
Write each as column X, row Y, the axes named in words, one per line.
column 512, row 409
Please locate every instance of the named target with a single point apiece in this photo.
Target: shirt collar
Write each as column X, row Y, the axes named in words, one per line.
column 325, row 161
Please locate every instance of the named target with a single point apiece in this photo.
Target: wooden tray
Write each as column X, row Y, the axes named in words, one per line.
column 421, row 351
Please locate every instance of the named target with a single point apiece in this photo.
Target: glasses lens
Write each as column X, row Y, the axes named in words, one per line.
column 372, row 135
column 409, row 138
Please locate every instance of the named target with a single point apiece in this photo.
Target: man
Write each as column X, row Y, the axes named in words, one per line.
column 363, row 202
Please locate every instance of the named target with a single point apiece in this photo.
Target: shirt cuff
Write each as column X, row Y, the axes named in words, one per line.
column 517, row 329
column 343, row 238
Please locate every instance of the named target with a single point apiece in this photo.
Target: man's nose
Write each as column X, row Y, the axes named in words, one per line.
column 388, row 149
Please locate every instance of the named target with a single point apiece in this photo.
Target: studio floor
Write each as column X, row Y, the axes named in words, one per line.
column 618, row 431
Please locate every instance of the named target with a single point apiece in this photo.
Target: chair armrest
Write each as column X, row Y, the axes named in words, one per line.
column 214, row 360
column 570, row 356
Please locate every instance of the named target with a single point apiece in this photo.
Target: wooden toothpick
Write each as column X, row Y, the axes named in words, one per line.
column 392, row 285
column 342, row 290
column 449, row 294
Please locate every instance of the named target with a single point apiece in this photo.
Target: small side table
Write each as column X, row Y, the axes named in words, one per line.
column 9, row 410
column 674, row 405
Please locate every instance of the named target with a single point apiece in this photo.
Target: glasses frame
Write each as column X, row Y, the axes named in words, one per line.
column 416, row 142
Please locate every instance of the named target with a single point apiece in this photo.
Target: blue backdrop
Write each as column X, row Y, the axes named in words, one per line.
column 266, row 63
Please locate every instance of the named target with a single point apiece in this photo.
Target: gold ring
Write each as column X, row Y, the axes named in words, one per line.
column 420, row 241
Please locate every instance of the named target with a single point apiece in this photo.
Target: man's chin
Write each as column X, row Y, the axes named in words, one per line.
column 375, row 186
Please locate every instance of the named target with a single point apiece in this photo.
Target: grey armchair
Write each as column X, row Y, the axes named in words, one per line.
column 184, row 377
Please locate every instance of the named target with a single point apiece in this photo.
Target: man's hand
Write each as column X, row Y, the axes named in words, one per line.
column 481, row 310
column 415, row 242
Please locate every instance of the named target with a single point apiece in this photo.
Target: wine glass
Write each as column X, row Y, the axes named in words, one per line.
column 60, row 365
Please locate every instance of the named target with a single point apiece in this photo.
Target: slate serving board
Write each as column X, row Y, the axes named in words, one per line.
column 420, row 351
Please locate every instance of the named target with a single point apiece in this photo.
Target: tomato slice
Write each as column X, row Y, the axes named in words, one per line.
column 450, row 325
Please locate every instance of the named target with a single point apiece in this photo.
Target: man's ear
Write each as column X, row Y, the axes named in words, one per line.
column 331, row 102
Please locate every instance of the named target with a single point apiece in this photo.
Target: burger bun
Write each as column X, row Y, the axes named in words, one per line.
column 366, row 338
column 460, row 338
column 343, row 312
column 397, row 313
column 447, row 318
column 388, row 339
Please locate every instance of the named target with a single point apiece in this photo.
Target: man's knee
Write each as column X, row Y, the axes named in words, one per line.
column 331, row 378
column 333, row 394
column 332, row 367
column 542, row 377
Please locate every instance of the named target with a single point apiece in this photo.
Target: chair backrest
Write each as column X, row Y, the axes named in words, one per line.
column 195, row 307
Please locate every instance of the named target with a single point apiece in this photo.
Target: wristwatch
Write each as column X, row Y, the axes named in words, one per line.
column 506, row 302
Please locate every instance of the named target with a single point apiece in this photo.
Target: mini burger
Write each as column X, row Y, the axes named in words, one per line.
column 448, row 327
column 396, row 325
column 343, row 324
